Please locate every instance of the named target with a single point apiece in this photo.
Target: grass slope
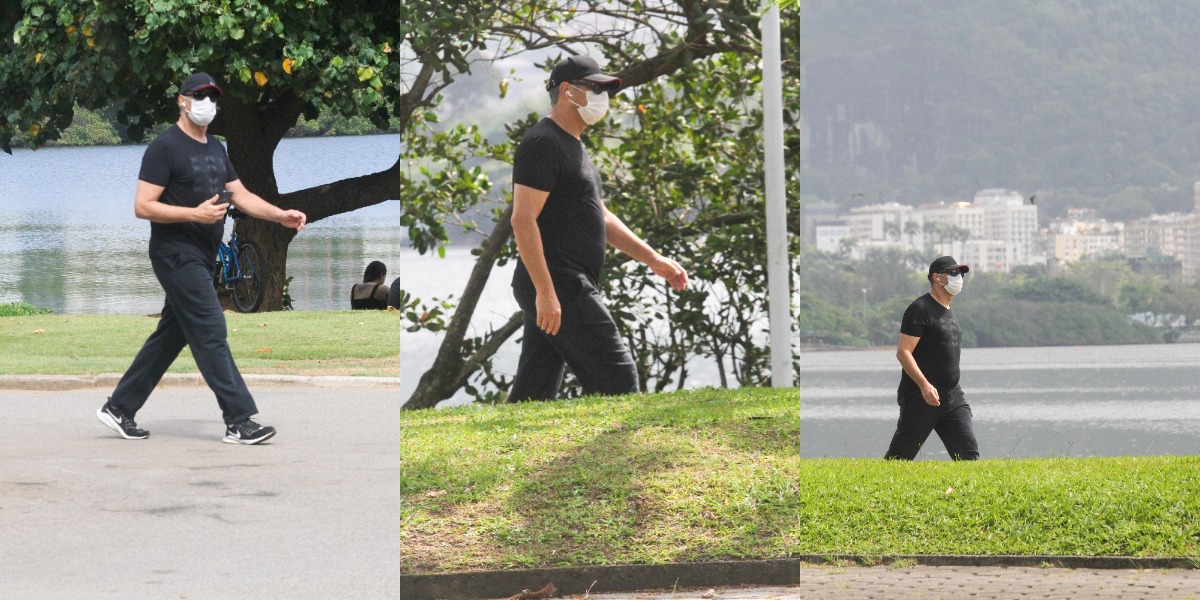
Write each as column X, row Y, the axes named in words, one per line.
column 280, row 343
column 687, row 476
column 1124, row 506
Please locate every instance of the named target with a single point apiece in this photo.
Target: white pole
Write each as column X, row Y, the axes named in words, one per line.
column 778, row 288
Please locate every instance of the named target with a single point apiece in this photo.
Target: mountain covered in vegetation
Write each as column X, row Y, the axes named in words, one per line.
column 1087, row 104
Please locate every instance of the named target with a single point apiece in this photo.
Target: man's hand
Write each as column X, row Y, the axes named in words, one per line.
column 293, row 219
column 671, row 271
column 209, row 211
column 549, row 313
column 931, row 396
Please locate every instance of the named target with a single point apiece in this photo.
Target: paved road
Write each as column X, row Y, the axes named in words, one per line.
column 314, row 513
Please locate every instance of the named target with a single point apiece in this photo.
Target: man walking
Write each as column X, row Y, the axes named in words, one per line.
column 182, row 172
column 929, row 395
column 561, row 226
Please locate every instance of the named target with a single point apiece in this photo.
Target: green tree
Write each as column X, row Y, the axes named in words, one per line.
column 89, row 128
column 663, row 164
column 276, row 59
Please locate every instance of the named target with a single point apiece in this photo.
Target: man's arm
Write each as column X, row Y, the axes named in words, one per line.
column 527, row 205
column 904, row 354
column 146, row 206
column 253, row 205
column 621, row 238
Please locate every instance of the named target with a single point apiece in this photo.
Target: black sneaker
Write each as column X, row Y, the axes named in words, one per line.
column 120, row 423
column 247, row 432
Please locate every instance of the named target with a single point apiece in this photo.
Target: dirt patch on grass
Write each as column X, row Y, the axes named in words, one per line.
column 457, row 540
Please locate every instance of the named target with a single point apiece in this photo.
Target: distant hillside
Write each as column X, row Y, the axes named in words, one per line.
column 1092, row 103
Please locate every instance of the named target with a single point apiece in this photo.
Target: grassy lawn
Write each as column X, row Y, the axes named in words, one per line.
column 1130, row 506
column 716, row 474
column 278, row 343
column 687, row 476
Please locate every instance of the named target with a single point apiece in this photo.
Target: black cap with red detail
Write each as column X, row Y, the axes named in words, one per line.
column 582, row 68
column 199, row 81
column 946, row 263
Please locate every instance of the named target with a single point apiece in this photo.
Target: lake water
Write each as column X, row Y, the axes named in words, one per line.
column 69, row 240
column 1028, row 402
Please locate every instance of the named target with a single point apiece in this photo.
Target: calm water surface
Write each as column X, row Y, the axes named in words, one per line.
column 1054, row 401
column 69, row 240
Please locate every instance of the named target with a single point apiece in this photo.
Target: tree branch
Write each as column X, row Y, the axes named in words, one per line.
column 434, row 386
column 345, row 195
column 489, row 348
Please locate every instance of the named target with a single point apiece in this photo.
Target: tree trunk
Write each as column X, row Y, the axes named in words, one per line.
column 252, row 133
column 450, row 370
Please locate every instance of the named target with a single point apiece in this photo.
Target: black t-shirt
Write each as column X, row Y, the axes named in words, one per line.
column 938, row 350
column 190, row 172
column 572, row 220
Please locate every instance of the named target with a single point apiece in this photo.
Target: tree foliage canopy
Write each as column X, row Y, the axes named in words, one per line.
column 326, row 55
column 680, row 157
column 847, row 302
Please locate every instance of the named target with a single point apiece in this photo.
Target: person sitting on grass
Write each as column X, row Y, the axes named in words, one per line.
column 393, row 300
column 372, row 293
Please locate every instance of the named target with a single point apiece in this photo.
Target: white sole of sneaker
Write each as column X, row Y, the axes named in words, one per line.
column 232, row 440
column 113, row 425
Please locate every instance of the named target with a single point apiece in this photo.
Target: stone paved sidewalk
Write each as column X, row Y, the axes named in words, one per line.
column 951, row 583
column 736, row 593
column 860, row 583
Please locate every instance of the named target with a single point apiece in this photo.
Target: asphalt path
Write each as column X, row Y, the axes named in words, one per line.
column 312, row 513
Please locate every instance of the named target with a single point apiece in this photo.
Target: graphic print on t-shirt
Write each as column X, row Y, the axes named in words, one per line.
column 208, row 176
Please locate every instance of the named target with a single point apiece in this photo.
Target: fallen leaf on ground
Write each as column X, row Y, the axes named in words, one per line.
column 545, row 592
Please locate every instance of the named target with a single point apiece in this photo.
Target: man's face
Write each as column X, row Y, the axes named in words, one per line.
column 577, row 90
column 185, row 100
column 943, row 277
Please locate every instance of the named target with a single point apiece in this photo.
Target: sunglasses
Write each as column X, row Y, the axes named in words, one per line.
column 585, row 85
column 204, row 95
column 952, row 272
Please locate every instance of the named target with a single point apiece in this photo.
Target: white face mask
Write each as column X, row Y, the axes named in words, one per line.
column 596, row 108
column 954, row 285
column 203, row 111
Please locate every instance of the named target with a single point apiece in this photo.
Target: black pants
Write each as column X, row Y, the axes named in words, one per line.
column 587, row 341
column 191, row 316
column 951, row 421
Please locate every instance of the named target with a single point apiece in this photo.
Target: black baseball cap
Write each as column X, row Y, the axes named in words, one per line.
column 947, row 263
column 199, row 81
column 582, row 68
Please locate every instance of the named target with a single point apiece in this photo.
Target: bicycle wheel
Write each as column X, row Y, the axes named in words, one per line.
column 248, row 289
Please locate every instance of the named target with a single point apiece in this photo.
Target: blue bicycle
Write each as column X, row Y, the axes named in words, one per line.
column 239, row 265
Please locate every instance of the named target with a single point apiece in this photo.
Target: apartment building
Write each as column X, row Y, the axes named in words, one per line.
column 1083, row 234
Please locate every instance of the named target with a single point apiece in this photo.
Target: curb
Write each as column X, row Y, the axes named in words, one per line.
column 599, row 579
column 56, row 383
column 1004, row 560
column 478, row 585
